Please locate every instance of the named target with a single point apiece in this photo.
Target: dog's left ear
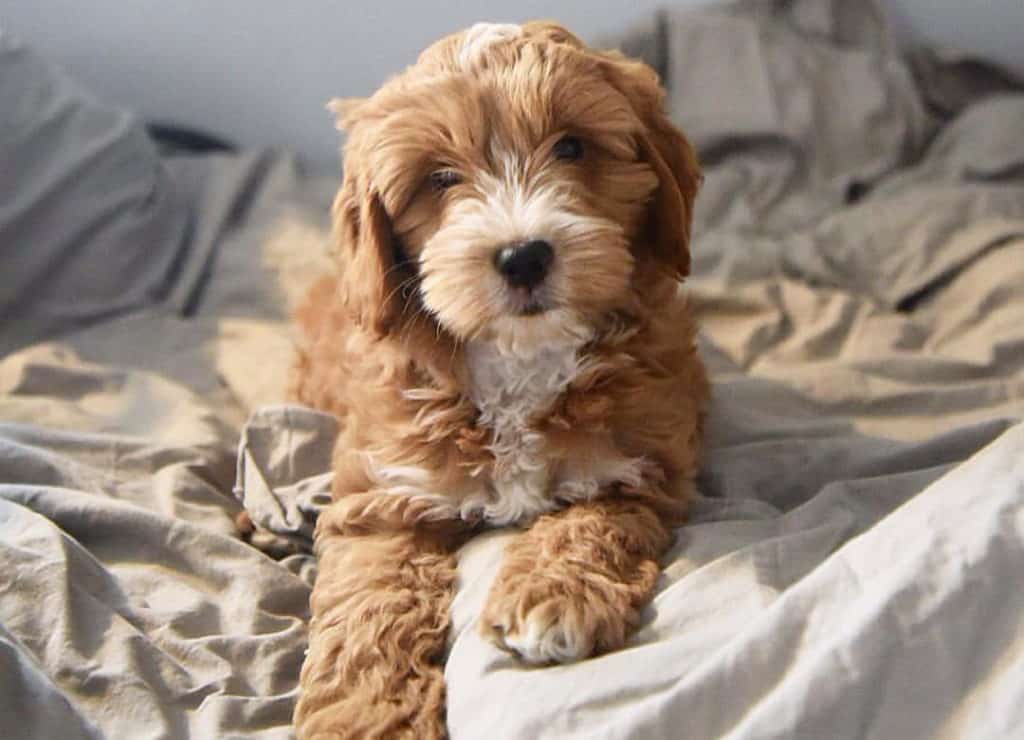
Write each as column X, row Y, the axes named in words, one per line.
column 670, row 155
column 367, row 249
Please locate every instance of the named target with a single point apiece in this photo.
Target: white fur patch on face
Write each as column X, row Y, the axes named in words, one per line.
column 510, row 209
column 513, row 208
column 520, row 197
column 483, row 35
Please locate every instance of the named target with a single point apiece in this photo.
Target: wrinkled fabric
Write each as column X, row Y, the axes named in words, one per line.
column 129, row 607
column 93, row 224
column 127, row 602
column 850, row 566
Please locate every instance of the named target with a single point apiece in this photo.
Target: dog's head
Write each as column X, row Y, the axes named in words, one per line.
column 510, row 186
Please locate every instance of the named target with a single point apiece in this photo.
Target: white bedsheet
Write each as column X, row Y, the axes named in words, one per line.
column 853, row 566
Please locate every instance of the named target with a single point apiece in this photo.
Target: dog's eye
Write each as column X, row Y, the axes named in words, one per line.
column 568, row 148
column 444, row 179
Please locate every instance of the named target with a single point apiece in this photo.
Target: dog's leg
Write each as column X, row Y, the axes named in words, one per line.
column 380, row 613
column 574, row 583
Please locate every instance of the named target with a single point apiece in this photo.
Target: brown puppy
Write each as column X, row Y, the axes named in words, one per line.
column 505, row 343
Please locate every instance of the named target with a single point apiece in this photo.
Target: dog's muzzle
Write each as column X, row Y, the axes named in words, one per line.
column 524, row 265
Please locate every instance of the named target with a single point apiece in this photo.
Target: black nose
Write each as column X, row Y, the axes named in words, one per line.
column 524, row 265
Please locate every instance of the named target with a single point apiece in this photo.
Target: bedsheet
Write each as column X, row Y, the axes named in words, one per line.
column 852, row 565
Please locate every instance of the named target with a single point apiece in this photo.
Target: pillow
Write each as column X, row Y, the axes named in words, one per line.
column 91, row 223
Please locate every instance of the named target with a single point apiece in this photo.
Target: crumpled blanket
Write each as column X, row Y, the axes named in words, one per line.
column 851, row 566
column 829, row 584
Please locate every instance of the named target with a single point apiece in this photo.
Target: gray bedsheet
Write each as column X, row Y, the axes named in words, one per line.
column 853, row 564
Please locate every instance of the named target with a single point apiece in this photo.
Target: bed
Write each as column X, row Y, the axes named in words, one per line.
column 853, row 563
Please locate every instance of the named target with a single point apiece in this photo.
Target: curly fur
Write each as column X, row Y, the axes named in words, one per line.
column 574, row 582
column 379, row 626
column 574, row 412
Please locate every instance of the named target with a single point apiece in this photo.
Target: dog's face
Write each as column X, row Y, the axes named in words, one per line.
column 508, row 187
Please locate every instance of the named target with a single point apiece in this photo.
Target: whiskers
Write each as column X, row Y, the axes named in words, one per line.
column 401, row 288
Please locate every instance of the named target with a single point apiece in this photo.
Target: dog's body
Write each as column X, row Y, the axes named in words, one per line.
column 505, row 343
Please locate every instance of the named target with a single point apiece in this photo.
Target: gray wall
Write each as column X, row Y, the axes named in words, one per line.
column 259, row 71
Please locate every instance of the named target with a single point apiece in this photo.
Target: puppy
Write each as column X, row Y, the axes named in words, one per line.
column 505, row 343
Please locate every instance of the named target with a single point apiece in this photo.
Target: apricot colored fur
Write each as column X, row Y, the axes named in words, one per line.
column 584, row 572
column 387, row 349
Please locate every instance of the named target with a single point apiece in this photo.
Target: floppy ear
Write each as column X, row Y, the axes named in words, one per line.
column 366, row 250
column 670, row 155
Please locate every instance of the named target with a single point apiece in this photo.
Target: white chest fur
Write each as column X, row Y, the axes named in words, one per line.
column 526, row 479
column 509, row 390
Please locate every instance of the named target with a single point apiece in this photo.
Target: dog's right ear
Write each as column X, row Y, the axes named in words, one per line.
column 366, row 248
column 669, row 154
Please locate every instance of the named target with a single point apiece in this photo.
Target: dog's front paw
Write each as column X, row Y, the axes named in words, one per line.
column 574, row 583
column 552, row 630
column 548, row 608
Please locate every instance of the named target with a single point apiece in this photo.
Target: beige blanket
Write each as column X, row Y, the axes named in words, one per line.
column 852, row 563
